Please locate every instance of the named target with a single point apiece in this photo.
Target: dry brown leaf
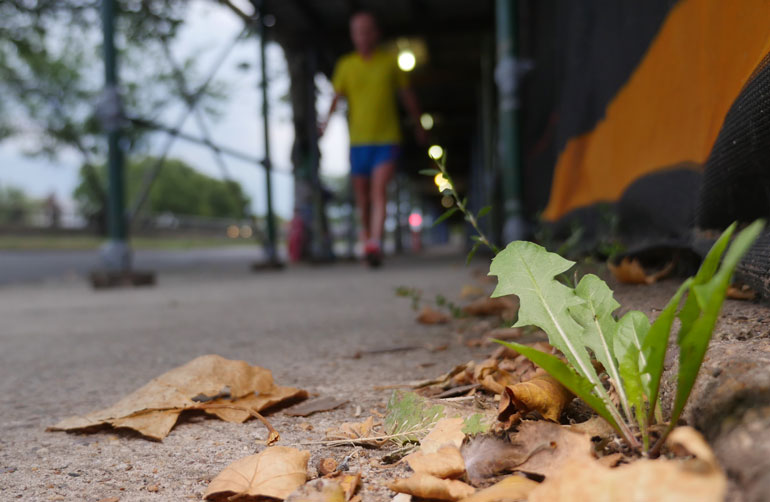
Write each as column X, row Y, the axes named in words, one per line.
column 353, row 430
column 275, row 472
column 742, row 293
column 510, row 489
column 543, row 394
column 593, row 427
column 630, row 271
column 447, row 462
column 504, row 306
column 429, row 315
column 318, row 490
column 550, row 446
column 326, row 403
column 349, row 483
column 469, row 291
column 696, row 479
column 200, row 384
column 491, row 377
column 487, row 456
column 430, row 487
column 446, row 431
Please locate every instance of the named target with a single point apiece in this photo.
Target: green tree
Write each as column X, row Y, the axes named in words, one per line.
column 15, row 205
column 178, row 189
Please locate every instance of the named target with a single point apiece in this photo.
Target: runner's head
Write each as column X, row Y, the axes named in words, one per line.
column 364, row 32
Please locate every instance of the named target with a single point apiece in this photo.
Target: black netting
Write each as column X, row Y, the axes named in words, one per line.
column 582, row 52
column 736, row 181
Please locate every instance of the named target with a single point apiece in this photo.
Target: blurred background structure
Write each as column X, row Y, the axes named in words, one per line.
column 605, row 128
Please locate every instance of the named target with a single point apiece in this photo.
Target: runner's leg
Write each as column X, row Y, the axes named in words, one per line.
column 381, row 175
column 361, row 191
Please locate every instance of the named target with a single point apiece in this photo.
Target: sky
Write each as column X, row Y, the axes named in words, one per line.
column 209, row 28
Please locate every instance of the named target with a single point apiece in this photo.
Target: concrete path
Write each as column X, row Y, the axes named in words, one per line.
column 65, row 349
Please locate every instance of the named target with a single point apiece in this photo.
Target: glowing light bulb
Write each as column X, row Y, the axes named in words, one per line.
column 426, row 120
column 406, row 60
column 435, row 152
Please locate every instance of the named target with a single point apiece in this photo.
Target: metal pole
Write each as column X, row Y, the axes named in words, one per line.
column 116, row 254
column 506, row 76
column 271, row 237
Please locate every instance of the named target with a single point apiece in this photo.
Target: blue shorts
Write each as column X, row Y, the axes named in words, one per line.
column 364, row 158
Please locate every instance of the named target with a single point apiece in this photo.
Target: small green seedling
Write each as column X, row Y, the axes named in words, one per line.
column 580, row 323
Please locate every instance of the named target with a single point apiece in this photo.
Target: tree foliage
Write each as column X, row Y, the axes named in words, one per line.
column 51, row 69
column 178, row 189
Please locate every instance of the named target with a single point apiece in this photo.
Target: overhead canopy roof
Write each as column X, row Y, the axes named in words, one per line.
column 456, row 35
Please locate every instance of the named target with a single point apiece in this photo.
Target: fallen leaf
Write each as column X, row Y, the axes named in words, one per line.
column 446, row 431
column 447, row 462
column 510, row 489
column 593, row 427
column 401, row 497
column 318, row 490
column 198, row 385
column 430, row 487
column 353, row 430
column 349, row 483
column 307, row 408
column 742, row 293
column 491, row 377
column 542, row 393
column 431, row 316
column 506, row 307
column 487, row 456
column 630, row 271
column 469, row 291
column 275, row 472
column 696, row 479
column 550, row 446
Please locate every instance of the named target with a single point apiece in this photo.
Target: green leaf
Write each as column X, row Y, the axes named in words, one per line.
column 483, row 211
column 472, row 252
column 694, row 338
column 577, row 384
column 528, row 270
column 655, row 344
column 708, row 268
column 600, row 328
column 444, row 216
column 410, row 417
column 632, row 328
column 473, row 425
column 429, row 172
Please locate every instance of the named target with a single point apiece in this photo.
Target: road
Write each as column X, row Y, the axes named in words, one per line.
column 33, row 265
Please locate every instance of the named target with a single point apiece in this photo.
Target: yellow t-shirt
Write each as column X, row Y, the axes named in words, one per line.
column 370, row 86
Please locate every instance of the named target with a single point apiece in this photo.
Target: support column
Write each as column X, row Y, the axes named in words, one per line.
column 270, row 246
column 116, row 254
column 506, row 76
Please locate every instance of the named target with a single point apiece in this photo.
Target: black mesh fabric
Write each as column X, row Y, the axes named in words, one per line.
column 736, row 181
column 582, row 54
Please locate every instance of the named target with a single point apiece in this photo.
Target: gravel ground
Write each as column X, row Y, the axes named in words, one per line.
column 65, row 349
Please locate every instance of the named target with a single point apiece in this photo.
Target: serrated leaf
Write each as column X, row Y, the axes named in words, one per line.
column 429, row 172
column 600, row 328
column 483, row 211
column 577, row 384
column 632, row 328
column 444, row 216
column 409, row 417
column 528, row 270
column 693, row 342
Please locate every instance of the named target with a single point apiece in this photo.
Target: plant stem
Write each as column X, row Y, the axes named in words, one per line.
column 461, row 205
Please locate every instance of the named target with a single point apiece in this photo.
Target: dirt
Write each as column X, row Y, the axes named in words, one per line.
column 68, row 350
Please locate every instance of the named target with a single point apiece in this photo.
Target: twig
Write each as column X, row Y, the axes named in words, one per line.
column 365, row 441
